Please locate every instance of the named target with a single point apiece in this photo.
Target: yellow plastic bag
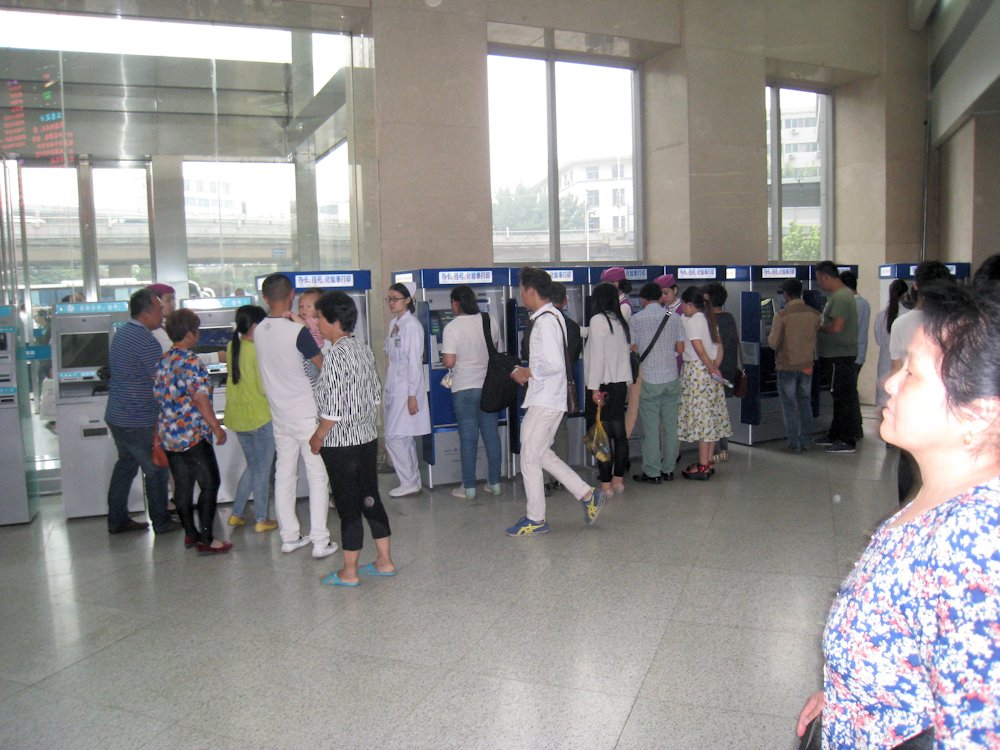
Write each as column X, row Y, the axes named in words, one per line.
column 596, row 440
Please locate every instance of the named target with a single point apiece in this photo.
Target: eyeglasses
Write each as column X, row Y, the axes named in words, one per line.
column 390, row 300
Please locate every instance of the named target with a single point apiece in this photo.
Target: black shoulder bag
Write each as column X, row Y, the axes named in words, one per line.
column 499, row 388
column 572, row 401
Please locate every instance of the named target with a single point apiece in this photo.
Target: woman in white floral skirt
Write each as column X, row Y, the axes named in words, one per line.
column 702, row 416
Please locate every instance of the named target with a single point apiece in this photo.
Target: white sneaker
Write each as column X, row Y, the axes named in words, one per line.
column 326, row 551
column 299, row 543
column 404, row 491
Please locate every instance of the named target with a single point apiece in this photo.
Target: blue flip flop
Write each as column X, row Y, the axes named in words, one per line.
column 334, row 580
column 371, row 570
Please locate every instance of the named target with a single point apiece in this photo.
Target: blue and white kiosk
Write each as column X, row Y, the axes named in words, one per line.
column 906, row 271
column 431, row 289
column 569, row 441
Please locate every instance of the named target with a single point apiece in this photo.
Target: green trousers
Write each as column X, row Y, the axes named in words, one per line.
column 658, row 410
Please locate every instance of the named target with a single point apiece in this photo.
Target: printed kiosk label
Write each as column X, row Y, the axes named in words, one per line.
column 465, row 277
column 706, row 272
column 778, row 272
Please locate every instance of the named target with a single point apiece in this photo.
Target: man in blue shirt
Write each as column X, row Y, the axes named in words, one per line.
column 131, row 416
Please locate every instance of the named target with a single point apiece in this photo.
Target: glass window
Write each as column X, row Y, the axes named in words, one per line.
column 122, row 222
column 229, row 247
column 333, row 200
column 798, row 141
column 591, row 143
column 594, row 126
column 52, row 224
column 518, row 159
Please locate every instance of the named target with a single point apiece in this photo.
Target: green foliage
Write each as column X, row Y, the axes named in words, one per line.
column 525, row 209
column 800, row 243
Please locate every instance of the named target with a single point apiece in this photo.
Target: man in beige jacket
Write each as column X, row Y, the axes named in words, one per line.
column 793, row 338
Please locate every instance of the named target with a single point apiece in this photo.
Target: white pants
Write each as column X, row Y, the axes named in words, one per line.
column 291, row 440
column 402, row 450
column 538, row 431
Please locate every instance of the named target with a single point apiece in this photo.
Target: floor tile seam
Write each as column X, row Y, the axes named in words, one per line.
column 689, row 620
column 749, row 569
column 547, row 683
column 84, row 698
column 724, row 709
column 404, row 719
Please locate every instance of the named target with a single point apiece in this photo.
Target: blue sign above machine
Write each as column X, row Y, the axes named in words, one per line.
column 437, row 278
column 75, row 308
column 907, row 270
column 697, row 273
column 577, row 275
column 767, row 273
column 42, row 353
column 355, row 280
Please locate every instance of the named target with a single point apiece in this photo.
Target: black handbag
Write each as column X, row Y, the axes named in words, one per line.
column 572, row 400
column 499, row 388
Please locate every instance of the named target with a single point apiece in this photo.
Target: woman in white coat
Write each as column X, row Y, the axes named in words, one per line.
column 406, row 411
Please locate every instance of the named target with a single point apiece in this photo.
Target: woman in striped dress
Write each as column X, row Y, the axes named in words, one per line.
column 348, row 394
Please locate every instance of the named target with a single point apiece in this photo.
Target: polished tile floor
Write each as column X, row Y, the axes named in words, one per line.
column 689, row 617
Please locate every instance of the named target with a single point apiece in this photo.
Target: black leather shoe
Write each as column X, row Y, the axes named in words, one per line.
column 129, row 525
column 667, row 476
column 646, row 478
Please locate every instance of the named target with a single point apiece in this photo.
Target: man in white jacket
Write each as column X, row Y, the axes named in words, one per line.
column 545, row 403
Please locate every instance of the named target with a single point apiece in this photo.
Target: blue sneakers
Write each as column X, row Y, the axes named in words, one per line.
column 592, row 506
column 527, row 527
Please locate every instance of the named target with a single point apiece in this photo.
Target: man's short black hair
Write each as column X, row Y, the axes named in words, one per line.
column 276, row 287
column 558, row 293
column 828, row 268
column 717, row 294
column 651, row 291
column 931, row 270
column 338, row 306
column 850, row 279
column 141, row 302
column 537, row 279
column 792, row 287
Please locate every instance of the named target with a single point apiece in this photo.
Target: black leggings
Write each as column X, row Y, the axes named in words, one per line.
column 354, row 480
column 196, row 464
column 613, row 419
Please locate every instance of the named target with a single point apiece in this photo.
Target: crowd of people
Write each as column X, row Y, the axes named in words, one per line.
column 911, row 646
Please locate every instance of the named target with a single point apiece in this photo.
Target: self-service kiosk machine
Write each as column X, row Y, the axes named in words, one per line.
column 431, row 289
column 754, row 299
column 569, row 440
column 81, row 339
column 906, row 271
column 19, row 499
column 218, row 320
column 356, row 284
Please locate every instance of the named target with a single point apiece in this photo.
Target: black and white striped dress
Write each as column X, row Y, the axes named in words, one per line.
column 349, row 391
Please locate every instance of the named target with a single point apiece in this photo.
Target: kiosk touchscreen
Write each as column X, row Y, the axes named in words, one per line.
column 431, row 289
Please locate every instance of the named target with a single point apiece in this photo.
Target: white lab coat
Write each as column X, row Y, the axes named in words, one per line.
column 404, row 377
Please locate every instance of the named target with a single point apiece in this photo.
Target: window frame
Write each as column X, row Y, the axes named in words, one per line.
column 550, row 58
column 826, row 144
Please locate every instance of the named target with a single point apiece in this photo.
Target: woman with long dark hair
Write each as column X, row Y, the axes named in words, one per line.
column 607, row 376
column 405, row 409
column 702, row 416
column 464, row 352
column 883, row 325
column 249, row 416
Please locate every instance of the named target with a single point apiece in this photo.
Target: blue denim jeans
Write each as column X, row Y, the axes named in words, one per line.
column 135, row 451
column 473, row 422
column 258, row 448
column 795, row 391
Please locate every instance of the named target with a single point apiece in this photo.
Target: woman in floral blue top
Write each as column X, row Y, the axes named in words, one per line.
column 186, row 425
column 912, row 643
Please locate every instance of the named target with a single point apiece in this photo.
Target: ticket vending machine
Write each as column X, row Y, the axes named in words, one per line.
column 754, row 299
column 906, row 271
column 431, row 289
column 218, row 321
column 569, row 440
column 19, row 499
column 81, row 339
column 356, row 284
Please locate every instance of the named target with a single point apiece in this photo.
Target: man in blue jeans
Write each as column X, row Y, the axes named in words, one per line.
column 793, row 338
column 131, row 415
